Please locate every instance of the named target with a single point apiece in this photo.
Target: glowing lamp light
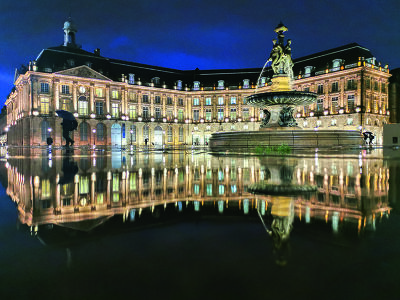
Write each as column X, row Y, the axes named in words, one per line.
column 239, row 120
column 311, row 114
column 176, row 120
column 35, row 113
column 388, row 113
column 341, row 111
column 92, row 116
column 226, row 120
column 6, row 129
column 123, row 117
column 326, row 112
column 49, row 129
column 152, row 119
column 139, row 119
column 298, row 115
column 187, row 121
column 201, row 120
column 126, row 118
column 108, row 116
column 358, row 109
column 164, row 120
column 94, row 130
column 252, row 119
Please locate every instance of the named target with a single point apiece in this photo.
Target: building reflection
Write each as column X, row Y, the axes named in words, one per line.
column 68, row 190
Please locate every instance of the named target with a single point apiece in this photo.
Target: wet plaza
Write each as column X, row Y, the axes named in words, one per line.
column 183, row 224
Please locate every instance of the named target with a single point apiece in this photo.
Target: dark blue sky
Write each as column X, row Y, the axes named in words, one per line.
column 188, row 34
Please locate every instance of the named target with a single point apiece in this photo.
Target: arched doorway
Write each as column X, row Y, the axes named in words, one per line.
column 116, row 137
column 158, row 136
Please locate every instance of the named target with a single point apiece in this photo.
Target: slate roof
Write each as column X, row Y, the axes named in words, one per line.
column 57, row 58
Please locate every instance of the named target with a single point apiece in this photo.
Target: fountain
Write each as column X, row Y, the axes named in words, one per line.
column 278, row 100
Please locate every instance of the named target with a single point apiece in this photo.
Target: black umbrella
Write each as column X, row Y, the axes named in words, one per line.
column 65, row 114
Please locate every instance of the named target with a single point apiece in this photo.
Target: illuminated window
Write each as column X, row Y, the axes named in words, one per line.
column 66, row 104
column 220, row 114
column 180, row 115
column 196, row 101
column 208, row 115
column 263, row 80
column 65, row 89
column 132, row 112
column 132, row 182
column 220, row 175
column 350, row 103
column 158, row 113
column 115, row 110
column 115, row 197
column 145, row 112
column 131, row 95
column 367, row 83
column 99, row 92
column 179, row 84
column 44, row 106
column 349, row 121
column 100, row 198
column 334, row 104
column 320, row 105
column 46, row 191
column 196, row 189
column 209, row 189
column 83, row 106
column 233, row 100
column 196, row 85
column 246, row 83
column 220, row 100
column 208, row 101
column 115, row 182
column 233, row 114
column 233, row 188
column 221, row 189
column 180, row 134
column 221, row 84
column 114, row 94
column 44, row 87
column 83, row 185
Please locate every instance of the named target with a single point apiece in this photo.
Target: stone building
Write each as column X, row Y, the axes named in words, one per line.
column 125, row 103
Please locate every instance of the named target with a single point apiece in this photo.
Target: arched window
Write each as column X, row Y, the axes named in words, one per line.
column 169, row 134
column 83, row 131
column 100, row 130
column 133, row 133
column 45, row 130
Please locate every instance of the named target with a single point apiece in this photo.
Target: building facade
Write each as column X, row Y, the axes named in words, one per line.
column 124, row 103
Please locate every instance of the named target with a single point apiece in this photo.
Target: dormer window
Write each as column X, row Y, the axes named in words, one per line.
column 155, row 80
column 196, row 85
column 89, row 64
column 221, row 84
column 307, row 71
column 131, row 78
column 71, row 62
column 179, row 85
column 246, row 83
column 336, row 63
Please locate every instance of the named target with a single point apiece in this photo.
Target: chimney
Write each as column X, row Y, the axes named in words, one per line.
column 97, row 51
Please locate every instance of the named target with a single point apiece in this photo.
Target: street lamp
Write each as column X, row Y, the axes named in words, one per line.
column 94, row 136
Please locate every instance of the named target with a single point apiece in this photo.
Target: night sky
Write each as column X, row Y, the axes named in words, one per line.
column 207, row 34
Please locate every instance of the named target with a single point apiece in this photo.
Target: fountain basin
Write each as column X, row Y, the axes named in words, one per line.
column 296, row 139
column 289, row 98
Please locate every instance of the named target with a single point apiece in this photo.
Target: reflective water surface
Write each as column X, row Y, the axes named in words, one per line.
column 183, row 224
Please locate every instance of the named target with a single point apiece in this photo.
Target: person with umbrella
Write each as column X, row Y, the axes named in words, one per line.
column 68, row 124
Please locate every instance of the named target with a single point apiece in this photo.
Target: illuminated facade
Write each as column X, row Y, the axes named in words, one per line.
column 124, row 103
column 51, row 191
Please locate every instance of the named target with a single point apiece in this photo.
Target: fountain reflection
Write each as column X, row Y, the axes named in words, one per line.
column 81, row 192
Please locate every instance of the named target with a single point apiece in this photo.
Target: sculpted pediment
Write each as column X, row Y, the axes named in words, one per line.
column 85, row 72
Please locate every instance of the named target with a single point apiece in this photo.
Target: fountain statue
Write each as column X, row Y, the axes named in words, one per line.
column 277, row 99
column 278, row 103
